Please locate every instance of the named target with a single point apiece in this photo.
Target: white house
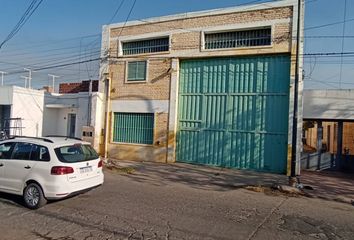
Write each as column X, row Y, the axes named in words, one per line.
column 37, row 113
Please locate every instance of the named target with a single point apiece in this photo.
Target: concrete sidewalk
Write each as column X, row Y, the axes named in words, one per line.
column 198, row 176
column 329, row 185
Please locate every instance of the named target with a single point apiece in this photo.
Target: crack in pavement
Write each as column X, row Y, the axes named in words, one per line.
column 272, row 211
column 46, row 236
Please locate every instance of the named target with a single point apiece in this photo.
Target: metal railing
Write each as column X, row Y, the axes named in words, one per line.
column 236, row 39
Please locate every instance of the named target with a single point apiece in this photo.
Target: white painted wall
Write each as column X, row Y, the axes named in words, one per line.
column 140, row 106
column 47, row 114
column 28, row 104
column 329, row 104
column 6, row 95
column 97, row 116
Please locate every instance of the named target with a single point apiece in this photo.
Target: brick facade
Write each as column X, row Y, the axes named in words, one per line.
column 155, row 88
column 186, row 37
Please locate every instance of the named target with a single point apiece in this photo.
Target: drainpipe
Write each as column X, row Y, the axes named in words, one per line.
column 106, row 125
column 292, row 178
column 89, row 105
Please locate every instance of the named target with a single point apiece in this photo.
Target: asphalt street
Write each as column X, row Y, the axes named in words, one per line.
column 127, row 207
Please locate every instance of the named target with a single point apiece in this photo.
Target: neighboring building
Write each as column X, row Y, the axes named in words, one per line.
column 211, row 87
column 37, row 113
column 77, row 87
column 329, row 128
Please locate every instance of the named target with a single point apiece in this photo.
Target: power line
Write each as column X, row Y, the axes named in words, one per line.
column 329, row 24
column 117, row 10
column 126, row 20
column 28, row 13
column 343, row 33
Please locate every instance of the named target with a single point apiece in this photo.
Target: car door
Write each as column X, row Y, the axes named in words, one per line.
column 5, row 155
column 18, row 167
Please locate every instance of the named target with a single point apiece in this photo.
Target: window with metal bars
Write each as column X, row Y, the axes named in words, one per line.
column 136, row 71
column 237, row 39
column 146, row 46
column 133, row 128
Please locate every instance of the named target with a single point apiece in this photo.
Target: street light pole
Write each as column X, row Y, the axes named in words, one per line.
column 53, row 79
column 29, row 76
column 292, row 179
column 26, row 78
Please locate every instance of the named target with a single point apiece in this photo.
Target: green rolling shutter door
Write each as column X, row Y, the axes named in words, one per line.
column 233, row 112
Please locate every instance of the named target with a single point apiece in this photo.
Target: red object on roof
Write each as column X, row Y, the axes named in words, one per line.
column 84, row 86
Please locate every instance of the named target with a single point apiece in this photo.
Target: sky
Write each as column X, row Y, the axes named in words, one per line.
column 64, row 31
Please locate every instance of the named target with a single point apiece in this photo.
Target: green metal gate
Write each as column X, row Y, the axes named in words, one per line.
column 233, row 112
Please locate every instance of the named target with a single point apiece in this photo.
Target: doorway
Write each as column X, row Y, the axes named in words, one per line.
column 71, row 125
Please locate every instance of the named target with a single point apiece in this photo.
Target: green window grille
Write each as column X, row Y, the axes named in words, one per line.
column 236, row 39
column 133, row 128
column 137, row 71
column 146, row 46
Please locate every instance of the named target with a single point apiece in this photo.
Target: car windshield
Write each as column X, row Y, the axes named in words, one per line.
column 76, row 153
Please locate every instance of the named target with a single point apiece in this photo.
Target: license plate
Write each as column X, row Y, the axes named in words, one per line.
column 86, row 169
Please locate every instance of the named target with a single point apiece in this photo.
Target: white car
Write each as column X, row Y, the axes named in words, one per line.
column 49, row 168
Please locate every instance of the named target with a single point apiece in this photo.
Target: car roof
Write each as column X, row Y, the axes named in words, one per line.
column 47, row 141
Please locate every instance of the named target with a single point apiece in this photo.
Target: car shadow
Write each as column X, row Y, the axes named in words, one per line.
column 11, row 199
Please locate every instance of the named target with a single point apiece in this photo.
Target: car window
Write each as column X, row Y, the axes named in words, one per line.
column 6, row 150
column 22, row 151
column 39, row 153
column 76, row 153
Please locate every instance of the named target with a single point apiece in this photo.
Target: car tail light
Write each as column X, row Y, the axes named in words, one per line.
column 61, row 170
column 100, row 163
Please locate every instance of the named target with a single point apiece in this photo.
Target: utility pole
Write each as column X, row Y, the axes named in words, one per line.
column 26, row 78
column 292, row 178
column 29, row 76
column 2, row 77
column 53, row 79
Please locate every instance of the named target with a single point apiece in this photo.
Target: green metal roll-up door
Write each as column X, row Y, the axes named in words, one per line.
column 233, row 112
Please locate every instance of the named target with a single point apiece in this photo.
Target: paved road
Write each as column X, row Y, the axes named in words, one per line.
column 126, row 207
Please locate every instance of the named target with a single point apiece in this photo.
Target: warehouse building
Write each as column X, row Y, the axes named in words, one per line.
column 212, row 87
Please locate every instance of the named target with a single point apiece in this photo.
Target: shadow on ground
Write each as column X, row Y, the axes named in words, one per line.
column 11, row 199
column 330, row 185
column 196, row 176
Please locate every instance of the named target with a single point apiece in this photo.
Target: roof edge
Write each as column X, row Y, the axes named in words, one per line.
column 218, row 11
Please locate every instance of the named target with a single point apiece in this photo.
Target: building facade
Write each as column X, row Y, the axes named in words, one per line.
column 36, row 113
column 212, row 87
column 328, row 128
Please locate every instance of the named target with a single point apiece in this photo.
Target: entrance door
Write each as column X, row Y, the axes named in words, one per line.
column 71, row 124
column 233, row 112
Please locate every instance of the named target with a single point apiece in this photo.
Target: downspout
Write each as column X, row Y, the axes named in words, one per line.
column 106, row 125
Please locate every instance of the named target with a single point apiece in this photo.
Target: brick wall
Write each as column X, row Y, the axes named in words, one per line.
column 206, row 21
column 155, row 152
column 184, row 44
column 155, row 88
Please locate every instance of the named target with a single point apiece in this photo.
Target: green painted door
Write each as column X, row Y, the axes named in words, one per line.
column 233, row 112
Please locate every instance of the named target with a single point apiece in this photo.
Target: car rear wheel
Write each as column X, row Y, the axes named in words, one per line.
column 33, row 196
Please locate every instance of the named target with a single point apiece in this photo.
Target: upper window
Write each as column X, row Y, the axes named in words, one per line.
column 136, row 71
column 146, row 46
column 237, row 39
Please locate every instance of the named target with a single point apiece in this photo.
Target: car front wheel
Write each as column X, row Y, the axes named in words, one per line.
column 33, row 196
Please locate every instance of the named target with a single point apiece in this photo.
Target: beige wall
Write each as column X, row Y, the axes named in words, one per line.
column 186, row 38
column 330, row 136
